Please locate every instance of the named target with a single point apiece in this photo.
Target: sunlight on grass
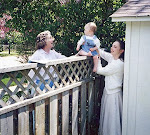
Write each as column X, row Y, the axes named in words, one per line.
column 6, row 53
column 5, row 80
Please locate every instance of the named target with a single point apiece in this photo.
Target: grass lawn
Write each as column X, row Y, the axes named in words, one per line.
column 6, row 78
column 5, row 81
column 6, row 96
column 6, row 53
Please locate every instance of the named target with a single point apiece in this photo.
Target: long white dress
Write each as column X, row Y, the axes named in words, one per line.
column 111, row 102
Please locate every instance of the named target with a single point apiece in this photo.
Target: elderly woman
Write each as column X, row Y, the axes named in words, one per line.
column 111, row 103
column 44, row 52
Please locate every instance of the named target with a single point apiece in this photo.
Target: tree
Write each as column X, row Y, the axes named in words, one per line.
column 65, row 21
column 3, row 29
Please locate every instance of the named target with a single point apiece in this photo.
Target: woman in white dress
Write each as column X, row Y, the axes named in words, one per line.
column 111, row 102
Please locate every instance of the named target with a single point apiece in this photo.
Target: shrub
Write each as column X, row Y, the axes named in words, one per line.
column 66, row 22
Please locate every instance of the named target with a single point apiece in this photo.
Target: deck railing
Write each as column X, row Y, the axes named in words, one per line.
column 65, row 108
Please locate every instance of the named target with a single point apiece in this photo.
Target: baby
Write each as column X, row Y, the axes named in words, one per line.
column 90, row 43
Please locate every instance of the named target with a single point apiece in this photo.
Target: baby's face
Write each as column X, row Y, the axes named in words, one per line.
column 87, row 30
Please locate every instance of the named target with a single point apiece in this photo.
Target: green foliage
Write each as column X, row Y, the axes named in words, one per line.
column 5, row 98
column 12, row 38
column 66, row 22
column 74, row 16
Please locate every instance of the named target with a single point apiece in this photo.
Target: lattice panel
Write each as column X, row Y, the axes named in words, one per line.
column 25, row 85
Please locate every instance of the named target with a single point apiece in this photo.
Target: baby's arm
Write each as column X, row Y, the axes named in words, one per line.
column 80, row 42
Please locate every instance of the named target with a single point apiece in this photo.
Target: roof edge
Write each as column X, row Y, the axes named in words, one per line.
column 133, row 8
column 131, row 19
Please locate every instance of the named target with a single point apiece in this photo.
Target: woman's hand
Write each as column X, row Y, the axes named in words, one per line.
column 93, row 49
column 77, row 48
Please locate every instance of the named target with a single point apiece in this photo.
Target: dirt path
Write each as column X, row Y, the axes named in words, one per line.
column 9, row 61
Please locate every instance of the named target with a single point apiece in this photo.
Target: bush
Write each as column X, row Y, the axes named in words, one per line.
column 66, row 22
column 73, row 17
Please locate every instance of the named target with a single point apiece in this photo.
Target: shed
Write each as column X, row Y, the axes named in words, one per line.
column 136, row 93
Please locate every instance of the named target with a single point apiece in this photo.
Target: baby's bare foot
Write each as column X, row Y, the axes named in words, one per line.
column 94, row 69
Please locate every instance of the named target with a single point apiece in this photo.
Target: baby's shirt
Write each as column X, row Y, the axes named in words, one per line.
column 89, row 42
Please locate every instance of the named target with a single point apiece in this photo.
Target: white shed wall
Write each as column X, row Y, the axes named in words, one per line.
column 136, row 109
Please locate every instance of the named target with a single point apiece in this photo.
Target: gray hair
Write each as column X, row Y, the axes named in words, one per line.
column 41, row 39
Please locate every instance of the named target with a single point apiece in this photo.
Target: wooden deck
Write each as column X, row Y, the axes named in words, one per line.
column 65, row 108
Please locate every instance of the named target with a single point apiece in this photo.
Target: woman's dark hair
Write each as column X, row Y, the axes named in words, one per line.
column 122, row 47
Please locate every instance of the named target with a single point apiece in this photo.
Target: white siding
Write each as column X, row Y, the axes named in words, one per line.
column 136, row 113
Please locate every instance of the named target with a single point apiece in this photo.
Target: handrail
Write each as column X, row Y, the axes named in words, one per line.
column 34, row 64
column 70, row 71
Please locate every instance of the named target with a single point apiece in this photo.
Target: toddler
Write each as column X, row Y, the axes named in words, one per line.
column 90, row 43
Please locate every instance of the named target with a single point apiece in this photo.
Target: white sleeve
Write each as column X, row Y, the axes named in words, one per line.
column 105, row 55
column 59, row 55
column 110, row 69
column 97, row 43
column 35, row 56
column 81, row 41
